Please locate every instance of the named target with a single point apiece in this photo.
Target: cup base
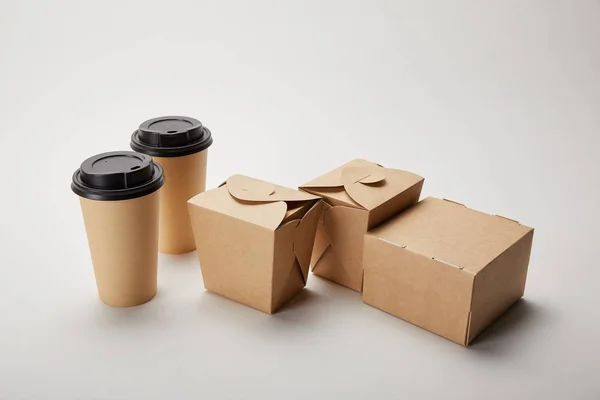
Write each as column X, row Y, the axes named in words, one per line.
column 124, row 303
column 172, row 251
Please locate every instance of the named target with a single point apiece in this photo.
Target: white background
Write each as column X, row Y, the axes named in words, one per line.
column 496, row 104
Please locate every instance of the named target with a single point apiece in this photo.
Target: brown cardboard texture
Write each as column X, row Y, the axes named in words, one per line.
column 359, row 195
column 446, row 268
column 123, row 240
column 254, row 240
column 185, row 177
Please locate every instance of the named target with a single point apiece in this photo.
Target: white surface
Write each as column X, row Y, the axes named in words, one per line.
column 497, row 104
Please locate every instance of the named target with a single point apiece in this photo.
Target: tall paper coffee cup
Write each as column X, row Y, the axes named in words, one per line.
column 119, row 196
column 185, row 177
column 180, row 146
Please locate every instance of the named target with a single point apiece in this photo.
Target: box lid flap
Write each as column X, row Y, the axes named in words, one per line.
column 249, row 189
column 258, row 202
column 334, row 177
column 367, row 184
column 452, row 233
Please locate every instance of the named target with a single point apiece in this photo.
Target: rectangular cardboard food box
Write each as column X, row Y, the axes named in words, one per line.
column 446, row 268
column 254, row 240
column 358, row 196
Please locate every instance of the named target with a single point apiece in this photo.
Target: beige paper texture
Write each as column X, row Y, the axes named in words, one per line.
column 446, row 268
column 248, row 249
column 185, row 177
column 360, row 195
column 123, row 241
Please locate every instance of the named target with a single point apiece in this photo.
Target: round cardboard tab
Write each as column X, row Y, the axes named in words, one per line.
column 245, row 188
column 373, row 177
column 365, row 175
column 359, row 183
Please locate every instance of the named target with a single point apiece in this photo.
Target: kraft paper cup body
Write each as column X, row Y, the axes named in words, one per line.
column 185, row 177
column 180, row 145
column 123, row 240
column 119, row 194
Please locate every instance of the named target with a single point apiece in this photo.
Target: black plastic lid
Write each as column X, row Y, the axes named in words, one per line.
column 171, row 137
column 118, row 175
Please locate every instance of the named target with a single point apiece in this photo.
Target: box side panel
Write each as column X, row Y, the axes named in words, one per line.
column 330, row 268
column 417, row 289
column 236, row 257
column 499, row 285
column 345, row 228
column 395, row 205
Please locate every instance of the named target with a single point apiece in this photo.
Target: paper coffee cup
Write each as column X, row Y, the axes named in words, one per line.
column 119, row 196
column 180, row 146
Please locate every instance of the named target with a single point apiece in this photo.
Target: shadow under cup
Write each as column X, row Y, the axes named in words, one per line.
column 119, row 196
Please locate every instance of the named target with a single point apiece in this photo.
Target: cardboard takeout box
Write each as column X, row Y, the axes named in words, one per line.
column 254, row 240
column 359, row 195
column 446, row 268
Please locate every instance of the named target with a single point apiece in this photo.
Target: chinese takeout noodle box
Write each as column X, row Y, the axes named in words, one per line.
column 254, row 240
column 358, row 196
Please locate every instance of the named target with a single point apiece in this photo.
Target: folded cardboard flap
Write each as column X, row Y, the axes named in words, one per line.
column 266, row 214
column 296, row 210
column 249, row 189
column 334, row 196
column 367, row 184
column 302, row 213
column 256, row 201
column 294, row 241
column 334, row 177
column 304, row 237
column 365, row 175
column 359, row 195
column 321, row 241
column 372, row 178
